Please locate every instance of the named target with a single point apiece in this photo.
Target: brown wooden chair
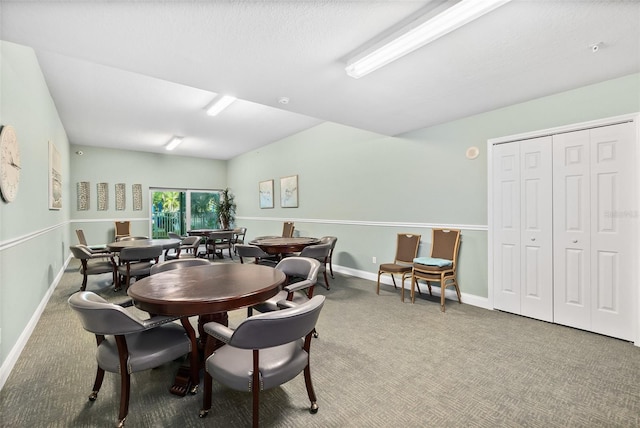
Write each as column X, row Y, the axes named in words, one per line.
column 287, row 229
column 441, row 266
column 123, row 228
column 406, row 250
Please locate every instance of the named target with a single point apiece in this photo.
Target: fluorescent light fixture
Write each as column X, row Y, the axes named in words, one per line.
column 175, row 142
column 452, row 18
column 220, row 104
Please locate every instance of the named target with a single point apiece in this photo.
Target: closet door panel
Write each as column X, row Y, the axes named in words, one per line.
column 571, row 236
column 536, row 231
column 506, row 243
column 613, row 215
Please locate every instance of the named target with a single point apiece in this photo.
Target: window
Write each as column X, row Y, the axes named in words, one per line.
column 174, row 210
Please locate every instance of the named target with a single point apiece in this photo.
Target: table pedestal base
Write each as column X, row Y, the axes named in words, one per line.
column 187, row 379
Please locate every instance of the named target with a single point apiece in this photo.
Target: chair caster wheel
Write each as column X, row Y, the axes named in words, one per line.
column 314, row 408
column 93, row 396
column 203, row 414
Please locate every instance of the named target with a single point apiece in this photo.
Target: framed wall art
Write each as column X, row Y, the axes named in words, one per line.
column 83, row 195
column 266, row 193
column 103, row 196
column 55, row 178
column 137, row 197
column 289, row 191
column 121, row 197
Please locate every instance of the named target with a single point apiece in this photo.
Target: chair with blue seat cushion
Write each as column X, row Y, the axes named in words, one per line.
column 263, row 352
column 126, row 343
column 441, row 266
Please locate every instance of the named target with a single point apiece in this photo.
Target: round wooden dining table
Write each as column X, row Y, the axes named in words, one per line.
column 164, row 242
column 281, row 245
column 208, row 292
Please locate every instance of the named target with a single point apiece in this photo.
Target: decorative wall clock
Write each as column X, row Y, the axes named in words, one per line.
column 9, row 163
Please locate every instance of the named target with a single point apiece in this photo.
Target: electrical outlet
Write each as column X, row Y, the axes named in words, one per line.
column 373, row 259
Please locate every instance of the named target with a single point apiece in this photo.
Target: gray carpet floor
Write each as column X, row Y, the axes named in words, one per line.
column 377, row 363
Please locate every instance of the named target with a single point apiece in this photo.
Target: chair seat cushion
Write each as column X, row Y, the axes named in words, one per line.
column 137, row 268
column 432, row 261
column 147, row 349
column 95, row 267
column 395, row 268
column 233, row 366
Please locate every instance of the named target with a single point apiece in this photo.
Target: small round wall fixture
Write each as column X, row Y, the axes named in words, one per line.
column 9, row 163
column 472, row 152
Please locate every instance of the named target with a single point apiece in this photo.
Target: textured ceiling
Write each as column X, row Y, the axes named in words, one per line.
column 130, row 74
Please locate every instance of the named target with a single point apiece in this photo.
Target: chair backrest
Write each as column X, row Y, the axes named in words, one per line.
column 80, row 251
column 141, row 253
column 287, row 229
column 278, row 327
column 174, row 235
column 221, row 235
column 300, row 267
column 81, row 238
column 240, row 233
column 177, row 264
column 245, row 250
column 329, row 240
column 407, row 247
column 318, row 252
column 191, row 241
column 123, row 228
column 101, row 317
column 445, row 244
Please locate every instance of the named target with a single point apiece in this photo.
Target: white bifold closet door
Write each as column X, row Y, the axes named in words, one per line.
column 593, row 219
column 523, row 246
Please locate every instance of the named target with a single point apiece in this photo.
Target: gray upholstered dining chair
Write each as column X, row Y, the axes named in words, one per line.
column 188, row 249
column 321, row 253
column 294, row 268
column 93, row 263
column 177, row 264
column 331, row 240
column 136, row 262
column 126, row 343
column 263, row 352
column 238, row 237
column 82, row 240
column 259, row 256
column 218, row 241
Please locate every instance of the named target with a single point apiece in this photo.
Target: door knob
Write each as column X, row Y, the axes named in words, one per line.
column 575, row 241
column 533, row 239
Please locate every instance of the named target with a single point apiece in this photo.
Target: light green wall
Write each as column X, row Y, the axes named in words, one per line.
column 33, row 239
column 357, row 185
column 100, row 165
column 365, row 188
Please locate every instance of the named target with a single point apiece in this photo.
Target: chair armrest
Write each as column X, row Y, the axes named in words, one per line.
column 101, row 255
column 219, row 331
column 298, row 285
column 157, row 320
column 286, row 304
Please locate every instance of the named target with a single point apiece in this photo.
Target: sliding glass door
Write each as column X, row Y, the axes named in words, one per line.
column 178, row 211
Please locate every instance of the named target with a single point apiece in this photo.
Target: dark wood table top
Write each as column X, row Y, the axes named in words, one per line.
column 280, row 245
column 201, row 290
column 165, row 243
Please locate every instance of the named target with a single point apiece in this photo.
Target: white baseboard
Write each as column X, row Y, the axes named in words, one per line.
column 469, row 299
column 14, row 354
